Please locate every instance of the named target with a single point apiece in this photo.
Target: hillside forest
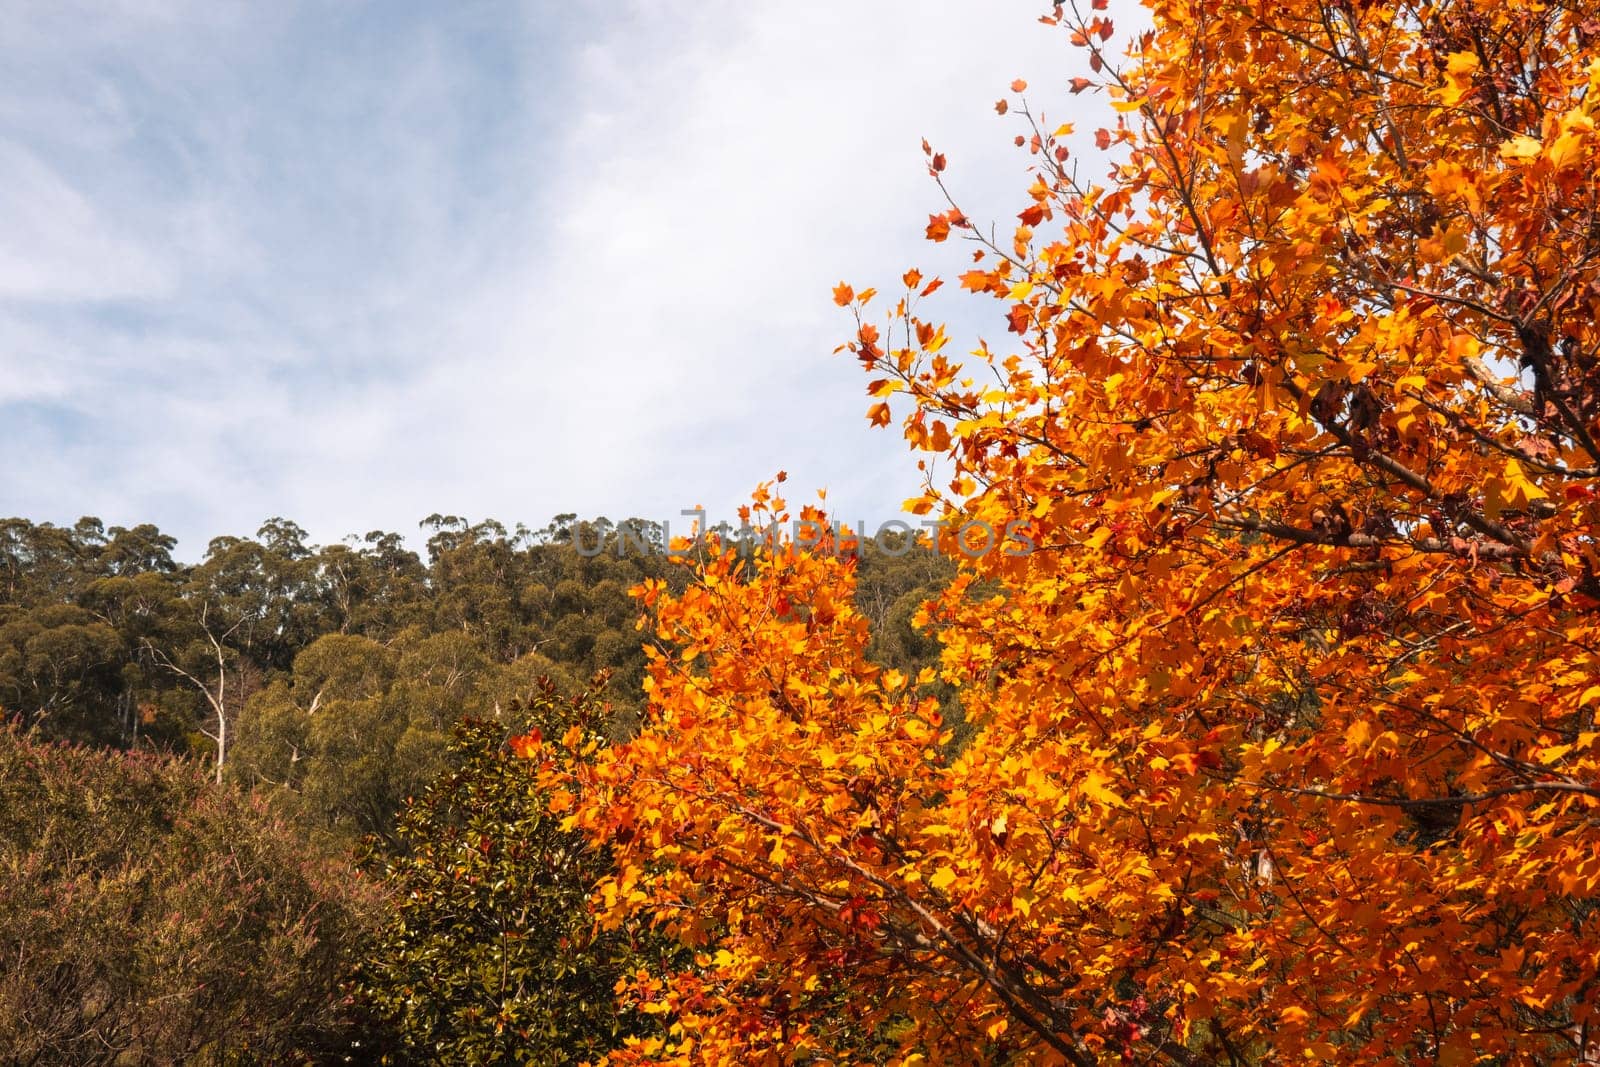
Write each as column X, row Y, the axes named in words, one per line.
column 334, row 675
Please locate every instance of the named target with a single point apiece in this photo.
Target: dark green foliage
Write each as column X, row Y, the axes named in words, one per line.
column 64, row 666
column 491, row 956
column 148, row 917
column 892, row 582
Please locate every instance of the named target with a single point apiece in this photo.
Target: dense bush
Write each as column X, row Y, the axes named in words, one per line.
column 147, row 917
column 491, row 955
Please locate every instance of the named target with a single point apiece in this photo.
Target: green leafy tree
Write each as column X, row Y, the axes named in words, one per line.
column 492, row 955
column 375, row 587
column 60, row 667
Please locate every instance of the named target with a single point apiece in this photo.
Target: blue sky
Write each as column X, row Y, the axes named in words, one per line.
column 356, row 262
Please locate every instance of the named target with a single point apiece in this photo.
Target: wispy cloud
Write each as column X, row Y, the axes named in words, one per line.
column 354, row 263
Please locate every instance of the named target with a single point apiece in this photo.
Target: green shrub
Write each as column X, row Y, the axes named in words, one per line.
column 491, row 956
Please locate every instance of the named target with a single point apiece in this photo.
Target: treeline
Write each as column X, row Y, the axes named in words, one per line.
column 333, row 674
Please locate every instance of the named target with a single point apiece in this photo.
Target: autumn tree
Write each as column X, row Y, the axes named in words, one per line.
column 1285, row 689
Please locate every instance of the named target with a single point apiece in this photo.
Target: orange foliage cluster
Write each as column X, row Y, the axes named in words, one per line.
column 1286, row 740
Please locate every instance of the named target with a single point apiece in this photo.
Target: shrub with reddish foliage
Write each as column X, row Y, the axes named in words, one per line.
column 147, row 916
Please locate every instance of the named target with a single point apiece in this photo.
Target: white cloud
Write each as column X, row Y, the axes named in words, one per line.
column 513, row 262
column 56, row 245
column 722, row 165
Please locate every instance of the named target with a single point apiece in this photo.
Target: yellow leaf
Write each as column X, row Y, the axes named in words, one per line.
column 1521, row 147
column 1552, row 754
column 1096, row 786
column 1358, row 734
column 1567, row 150
column 1513, row 490
column 1459, row 70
